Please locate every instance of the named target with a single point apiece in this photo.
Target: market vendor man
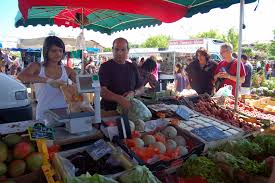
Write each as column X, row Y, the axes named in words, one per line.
column 119, row 78
column 226, row 71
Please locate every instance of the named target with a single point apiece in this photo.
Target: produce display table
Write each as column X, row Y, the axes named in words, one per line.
column 17, row 127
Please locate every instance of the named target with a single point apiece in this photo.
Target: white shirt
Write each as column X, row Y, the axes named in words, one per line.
column 47, row 96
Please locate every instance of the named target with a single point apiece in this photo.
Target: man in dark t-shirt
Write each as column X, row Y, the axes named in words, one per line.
column 245, row 89
column 119, row 78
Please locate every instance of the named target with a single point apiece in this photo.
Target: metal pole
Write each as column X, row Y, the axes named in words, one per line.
column 83, row 49
column 82, row 56
column 239, row 54
column 174, row 61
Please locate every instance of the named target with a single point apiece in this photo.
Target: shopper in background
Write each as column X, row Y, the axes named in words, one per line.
column 141, row 61
column 181, row 81
column 201, row 72
column 245, row 89
column 145, row 72
column 227, row 69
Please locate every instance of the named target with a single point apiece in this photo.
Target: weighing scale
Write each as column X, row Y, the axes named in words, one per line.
column 78, row 122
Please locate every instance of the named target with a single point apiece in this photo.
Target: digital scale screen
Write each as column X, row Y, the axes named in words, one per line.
column 84, row 83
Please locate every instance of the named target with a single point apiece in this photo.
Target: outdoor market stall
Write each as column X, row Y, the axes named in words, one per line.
column 154, row 141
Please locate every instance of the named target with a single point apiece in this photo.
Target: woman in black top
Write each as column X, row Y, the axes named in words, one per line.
column 201, row 72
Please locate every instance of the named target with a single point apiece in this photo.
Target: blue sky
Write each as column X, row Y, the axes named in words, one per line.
column 259, row 25
column 8, row 12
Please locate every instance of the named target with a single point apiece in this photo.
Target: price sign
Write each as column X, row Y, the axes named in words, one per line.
column 182, row 112
column 40, row 131
column 98, row 149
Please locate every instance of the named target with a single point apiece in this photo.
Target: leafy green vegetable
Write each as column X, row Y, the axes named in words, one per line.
column 241, row 147
column 251, row 166
column 140, row 174
column 267, row 143
column 137, row 111
column 224, row 157
column 204, row 167
column 87, row 178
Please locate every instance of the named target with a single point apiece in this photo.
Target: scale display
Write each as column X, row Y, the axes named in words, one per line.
column 84, row 83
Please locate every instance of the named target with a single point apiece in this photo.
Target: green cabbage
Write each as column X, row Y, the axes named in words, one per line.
column 87, row 178
column 137, row 111
column 140, row 174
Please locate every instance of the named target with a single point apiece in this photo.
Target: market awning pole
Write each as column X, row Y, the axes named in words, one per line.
column 174, row 61
column 83, row 49
column 239, row 54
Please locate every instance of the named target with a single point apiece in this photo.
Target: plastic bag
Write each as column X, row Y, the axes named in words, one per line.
column 225, row 91
column 76, row 102
column 137, row 111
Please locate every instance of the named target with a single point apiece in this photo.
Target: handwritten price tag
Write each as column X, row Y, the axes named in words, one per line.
column 40, row 131
column 99, row 149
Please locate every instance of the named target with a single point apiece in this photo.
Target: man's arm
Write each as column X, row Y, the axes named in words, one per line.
column 228, row 76
column 109, row 95
column 30, row 74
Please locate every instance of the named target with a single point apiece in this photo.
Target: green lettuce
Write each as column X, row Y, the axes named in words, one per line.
column 87, row 178
column 140, row 174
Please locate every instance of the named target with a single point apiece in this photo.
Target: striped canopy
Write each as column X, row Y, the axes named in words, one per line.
column 109, row 16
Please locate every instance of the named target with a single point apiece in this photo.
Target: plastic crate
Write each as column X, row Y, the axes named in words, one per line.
column 194, row 145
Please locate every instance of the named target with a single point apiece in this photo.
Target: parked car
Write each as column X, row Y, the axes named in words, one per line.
column 14, row 101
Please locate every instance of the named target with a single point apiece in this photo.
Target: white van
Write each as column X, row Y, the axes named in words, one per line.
column 14, row 102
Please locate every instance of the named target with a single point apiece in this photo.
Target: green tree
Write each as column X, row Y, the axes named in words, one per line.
column 272, row 49
column 159, row 41
column 52, row 33
column 232, row 37
column 212, row 33
column 262, row 47
column 248, row 51
column 107, row 49
column 133, row 45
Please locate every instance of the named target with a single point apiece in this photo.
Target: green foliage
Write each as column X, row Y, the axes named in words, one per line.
column 231, row 36
column 107, row 49
column 133, row 45
column 159, row 41
column 267, row 142
column 270, row 84
column 258, row 79
column 272, row 48
column 262, row 47
column 241, row 147
column 52, row 33
column 212, row 33
column 201, row 166
column 248, row 51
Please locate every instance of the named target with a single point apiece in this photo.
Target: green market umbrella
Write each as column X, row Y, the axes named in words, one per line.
column 109, row 16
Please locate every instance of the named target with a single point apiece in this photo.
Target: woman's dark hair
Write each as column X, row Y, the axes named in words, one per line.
column 48, row 43
column 203, row 52
column 149, row 65
column 179, row 66
column 244, row 57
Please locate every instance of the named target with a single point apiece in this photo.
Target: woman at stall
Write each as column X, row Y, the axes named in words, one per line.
column 201, row 72
column 181, row 81
column 48, row 74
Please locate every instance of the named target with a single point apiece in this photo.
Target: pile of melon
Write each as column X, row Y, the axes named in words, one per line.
column 166, row 144
column 18, row 156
